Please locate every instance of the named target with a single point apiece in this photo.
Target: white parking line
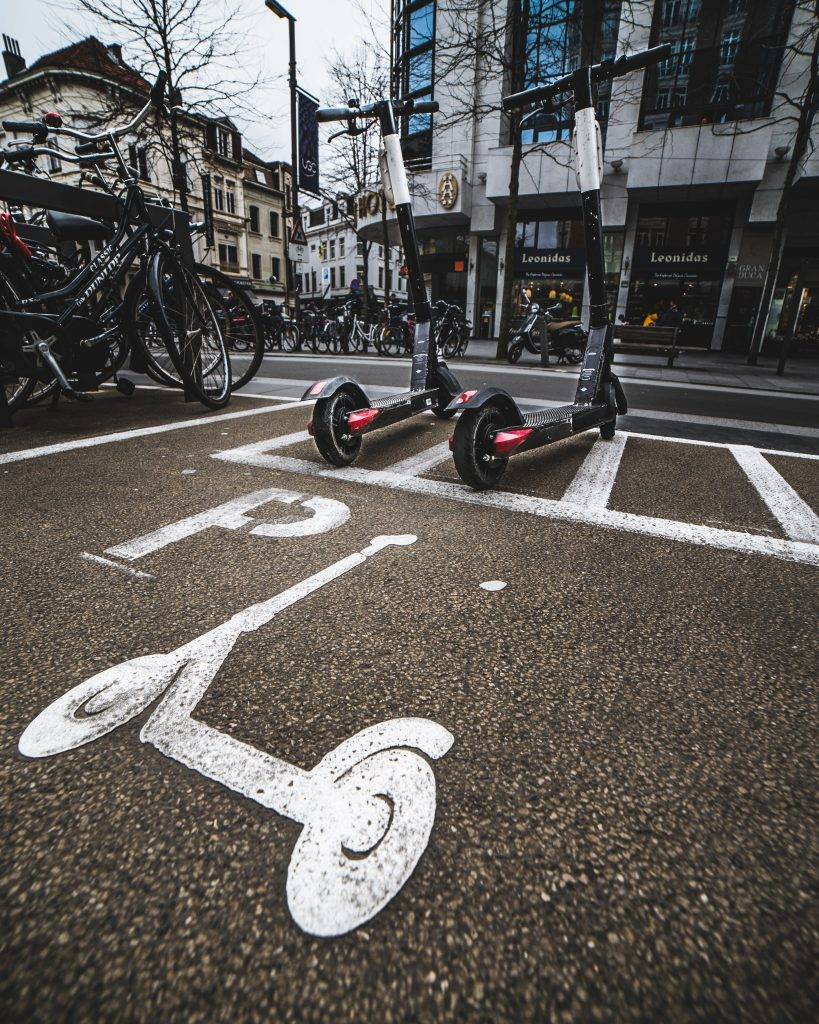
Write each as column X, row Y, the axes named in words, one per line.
column 594, row 480
column 258, row 454
column 128, row 435
column 417, row 465
column 86, row 557
column 795, row 516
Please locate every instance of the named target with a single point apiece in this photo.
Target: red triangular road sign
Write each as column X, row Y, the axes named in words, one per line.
column 297, row 235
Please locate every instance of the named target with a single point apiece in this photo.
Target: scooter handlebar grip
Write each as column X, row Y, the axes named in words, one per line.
column 324, row 114
column 636, row 61
column 527, row 96
column 427, row 107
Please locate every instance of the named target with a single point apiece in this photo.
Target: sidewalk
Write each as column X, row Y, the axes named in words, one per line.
column 719, row 369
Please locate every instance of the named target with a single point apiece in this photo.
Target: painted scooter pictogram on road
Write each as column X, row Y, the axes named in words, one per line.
column 367, row 807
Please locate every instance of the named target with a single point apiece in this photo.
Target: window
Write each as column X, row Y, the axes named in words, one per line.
column 54, row 163
column 253, row 211
column 228, row 256
column 274, row 224
column 414, row 45
column 287, row 202
column 259, row 175
column 332, row 248
column 313, row 280
column 218, row 194
column 223, row 142
column 230, row 197
column 729, row 48
column 332, row 277
column 557, row 33
column 360, row 249
column 276, row 180
column 138, row 158
column 381, row 276
column 341, row 244
column 723, row 66
column 256, row 264
column 341, row 276
column 276, row 267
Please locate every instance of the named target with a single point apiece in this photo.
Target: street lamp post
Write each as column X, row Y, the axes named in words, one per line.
column 282, row 12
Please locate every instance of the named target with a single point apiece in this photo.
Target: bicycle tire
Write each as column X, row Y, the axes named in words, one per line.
column 252, row 333
column 191, row 331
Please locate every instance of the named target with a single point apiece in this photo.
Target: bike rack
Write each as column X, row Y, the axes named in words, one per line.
column 41, row 193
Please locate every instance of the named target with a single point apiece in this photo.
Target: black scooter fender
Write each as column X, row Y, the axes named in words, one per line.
column 327, row 388
column 445, row 379
column 485, row 396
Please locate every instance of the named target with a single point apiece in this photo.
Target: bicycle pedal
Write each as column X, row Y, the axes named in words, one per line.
column 125, row 386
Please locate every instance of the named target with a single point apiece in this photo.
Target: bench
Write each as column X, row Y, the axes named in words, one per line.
column 647, row 340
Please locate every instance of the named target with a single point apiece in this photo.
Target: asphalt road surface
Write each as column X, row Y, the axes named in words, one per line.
column 345, row 781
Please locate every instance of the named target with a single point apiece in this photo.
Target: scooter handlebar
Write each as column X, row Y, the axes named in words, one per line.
column 400, row 108
column 599, row 72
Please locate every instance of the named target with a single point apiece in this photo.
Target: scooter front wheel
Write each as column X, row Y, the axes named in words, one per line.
column 513, row 353
column 472, row 450
column 330, row 429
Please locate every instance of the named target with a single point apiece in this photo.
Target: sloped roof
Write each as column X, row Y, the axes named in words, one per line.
column 92, row 56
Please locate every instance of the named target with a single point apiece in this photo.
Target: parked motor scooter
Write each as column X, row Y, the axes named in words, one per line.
column 566, row 338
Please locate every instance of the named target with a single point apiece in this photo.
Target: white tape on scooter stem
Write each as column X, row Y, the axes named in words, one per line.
column 398, row 173
column 588, row 172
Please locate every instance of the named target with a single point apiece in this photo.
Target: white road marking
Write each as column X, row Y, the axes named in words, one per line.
column 794, row 515
column 327, row 514
column 372, row 795
column 417, row 465
column 669, row 529
column 593, row 482
column 116, row 565
column 492, row 585
column 128, row 435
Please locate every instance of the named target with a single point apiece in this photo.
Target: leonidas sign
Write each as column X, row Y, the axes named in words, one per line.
column 689, row 262
column 534, row 263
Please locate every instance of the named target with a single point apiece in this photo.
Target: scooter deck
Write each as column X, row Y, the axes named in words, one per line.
column 564, row 420
column 406, row 397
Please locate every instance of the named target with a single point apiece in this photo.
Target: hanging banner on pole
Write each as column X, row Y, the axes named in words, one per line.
column 308, row 170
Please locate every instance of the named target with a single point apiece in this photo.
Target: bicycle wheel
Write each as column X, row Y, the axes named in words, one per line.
column 290, row 338
column 17, row 388
column 190, row 329
column 140, row 325
column 240, row 322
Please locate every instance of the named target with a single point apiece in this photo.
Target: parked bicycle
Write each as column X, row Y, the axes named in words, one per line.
column 73, row 333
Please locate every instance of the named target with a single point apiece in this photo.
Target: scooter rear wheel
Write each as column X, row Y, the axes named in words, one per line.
column 330, row 426
column 476, row 464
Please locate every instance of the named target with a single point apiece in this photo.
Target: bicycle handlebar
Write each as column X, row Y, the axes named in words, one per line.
column 603, row 71
column 37, row 129
column 399, row 107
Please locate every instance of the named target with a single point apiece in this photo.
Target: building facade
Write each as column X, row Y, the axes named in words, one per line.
column 92, row 86
column 695, row 152
column 337, row 254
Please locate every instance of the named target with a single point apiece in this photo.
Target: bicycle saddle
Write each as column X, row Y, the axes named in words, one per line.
column 69, row 227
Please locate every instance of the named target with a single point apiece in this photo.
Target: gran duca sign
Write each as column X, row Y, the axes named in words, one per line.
column 696, row 262
column 534, row 263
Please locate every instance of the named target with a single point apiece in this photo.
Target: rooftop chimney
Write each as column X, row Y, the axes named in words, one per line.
column 11, row 56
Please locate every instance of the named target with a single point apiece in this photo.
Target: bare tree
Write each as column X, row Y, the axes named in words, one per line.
column 352, row 171
column 201, row 46
column 796, row 113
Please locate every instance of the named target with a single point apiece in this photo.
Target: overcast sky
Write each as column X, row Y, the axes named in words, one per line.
column 321, row 27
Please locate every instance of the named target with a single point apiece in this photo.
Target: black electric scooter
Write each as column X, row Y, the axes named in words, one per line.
column 343, row 412
column 492, row 426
